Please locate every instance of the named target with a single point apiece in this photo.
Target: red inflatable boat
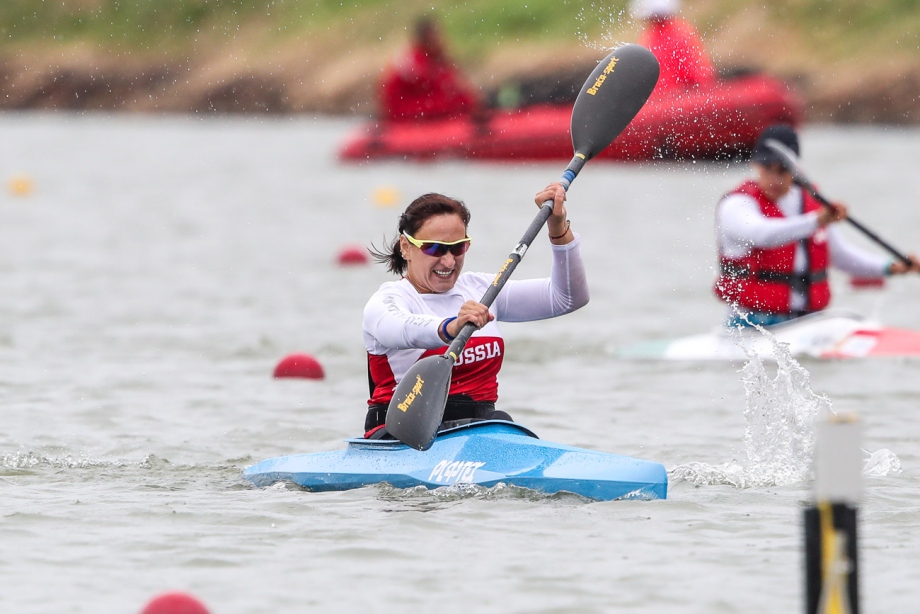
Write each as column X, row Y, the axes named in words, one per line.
column 712, row 123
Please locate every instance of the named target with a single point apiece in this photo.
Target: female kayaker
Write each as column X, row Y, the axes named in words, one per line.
column 776, row 242
column 420, row 314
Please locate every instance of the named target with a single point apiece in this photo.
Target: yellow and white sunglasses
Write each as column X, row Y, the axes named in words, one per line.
column 439, row 248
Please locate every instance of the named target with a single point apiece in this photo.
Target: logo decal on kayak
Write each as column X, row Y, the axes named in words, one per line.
column 603, row 76
column 456, row 472
column 417, row 389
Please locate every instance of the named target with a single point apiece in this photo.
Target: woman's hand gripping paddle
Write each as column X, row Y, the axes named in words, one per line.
column 798, row 176
column 608, row 101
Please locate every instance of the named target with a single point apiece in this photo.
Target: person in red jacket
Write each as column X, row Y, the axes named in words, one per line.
column 675, row 44
column 423, row 83
column 776, row 243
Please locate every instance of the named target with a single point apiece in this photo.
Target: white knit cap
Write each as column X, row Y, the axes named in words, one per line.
column 643, row 9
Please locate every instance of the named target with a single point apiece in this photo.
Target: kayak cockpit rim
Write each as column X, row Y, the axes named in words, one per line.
column 450, row 429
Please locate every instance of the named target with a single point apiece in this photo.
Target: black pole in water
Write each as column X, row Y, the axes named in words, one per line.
column 831, row 563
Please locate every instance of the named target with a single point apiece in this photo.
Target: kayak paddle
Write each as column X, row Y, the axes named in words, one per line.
column 608, row 101
column 798, row 176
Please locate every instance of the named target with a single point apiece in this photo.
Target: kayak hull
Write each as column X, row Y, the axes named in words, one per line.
column 722, row 121
column 824, row 335
column 484, row 453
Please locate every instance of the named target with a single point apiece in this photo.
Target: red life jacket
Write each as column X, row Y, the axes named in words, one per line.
column 763, row 280
column 680, row 53
column 421, row 87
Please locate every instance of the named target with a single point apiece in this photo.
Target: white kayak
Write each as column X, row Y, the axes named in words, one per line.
column 826, row 334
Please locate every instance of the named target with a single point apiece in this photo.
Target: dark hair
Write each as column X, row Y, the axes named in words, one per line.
column 424, row 26
column 413, row 218
column 783, row 133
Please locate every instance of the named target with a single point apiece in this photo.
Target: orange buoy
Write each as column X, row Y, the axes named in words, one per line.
column 20, row 185
column 349, row 256
column 299, row 365
column 175, row 603
column 385, row 196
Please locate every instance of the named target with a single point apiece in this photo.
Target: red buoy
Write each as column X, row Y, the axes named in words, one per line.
column 299, row 365
column 352, row 255
column 175, row 603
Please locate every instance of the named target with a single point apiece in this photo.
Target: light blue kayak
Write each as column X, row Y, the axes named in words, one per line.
column 484, row 453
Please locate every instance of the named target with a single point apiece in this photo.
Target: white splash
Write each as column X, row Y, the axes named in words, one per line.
column 881, row 463
column 610, row 22
column 31, row 460
column 781, row 412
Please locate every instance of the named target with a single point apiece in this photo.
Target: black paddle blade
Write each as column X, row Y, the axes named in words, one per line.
column 611, row 98
column 417, row 407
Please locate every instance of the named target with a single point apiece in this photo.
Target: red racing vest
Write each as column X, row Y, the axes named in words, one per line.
column 764, row 279
column 475, row 373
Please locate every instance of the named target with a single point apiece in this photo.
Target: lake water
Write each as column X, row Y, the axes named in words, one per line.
column 160, row 268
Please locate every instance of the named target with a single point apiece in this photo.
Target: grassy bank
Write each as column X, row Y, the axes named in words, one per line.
column 834, row 29
column 139, row 25
column 323, row 55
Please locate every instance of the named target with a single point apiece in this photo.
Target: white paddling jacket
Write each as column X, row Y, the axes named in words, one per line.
column 401, row 325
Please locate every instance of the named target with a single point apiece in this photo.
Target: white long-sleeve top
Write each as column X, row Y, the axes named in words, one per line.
column 740, row 226
column 401, row 324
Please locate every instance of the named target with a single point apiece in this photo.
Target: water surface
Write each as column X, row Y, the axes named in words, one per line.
column 162, row 266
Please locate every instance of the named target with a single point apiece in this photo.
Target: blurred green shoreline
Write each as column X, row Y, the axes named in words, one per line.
column 852, row 61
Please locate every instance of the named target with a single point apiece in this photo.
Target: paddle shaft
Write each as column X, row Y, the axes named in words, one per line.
column 611, row 97
column 514, row 258
column 821, row 199
column 790, row 158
